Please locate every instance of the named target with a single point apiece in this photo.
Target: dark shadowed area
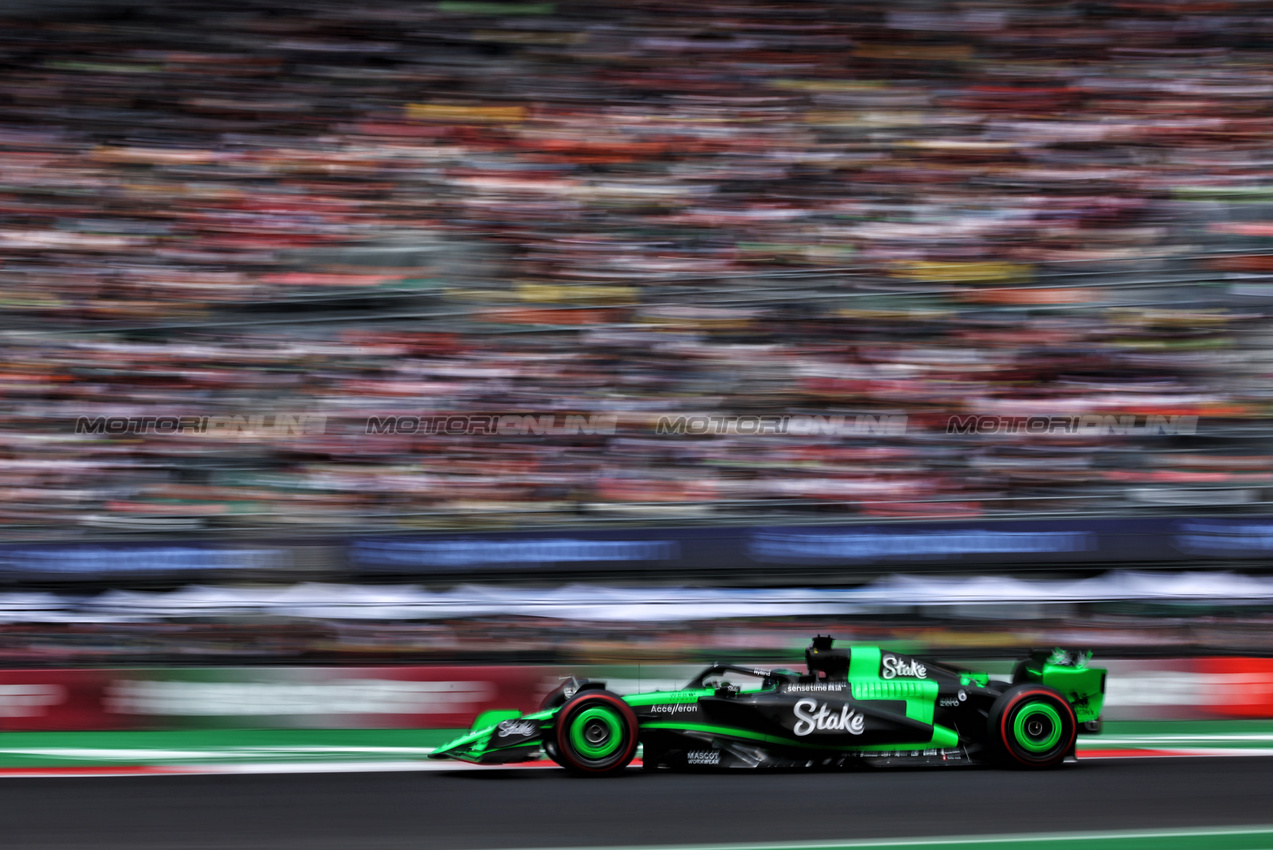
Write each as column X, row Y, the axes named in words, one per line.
column 501, row 808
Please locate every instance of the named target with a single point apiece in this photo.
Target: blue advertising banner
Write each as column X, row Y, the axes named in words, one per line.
column 967, row 545
column 964, row 546
column 110, row 560
column 1225, row 538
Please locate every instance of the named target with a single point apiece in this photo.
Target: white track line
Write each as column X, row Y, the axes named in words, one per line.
column 961, row 840
column 329, row 759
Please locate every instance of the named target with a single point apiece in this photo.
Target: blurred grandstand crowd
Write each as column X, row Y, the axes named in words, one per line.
column 344, row 210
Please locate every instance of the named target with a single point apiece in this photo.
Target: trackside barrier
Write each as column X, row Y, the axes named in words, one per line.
column 438, row 697
column 264, row 697
column 1189, row 689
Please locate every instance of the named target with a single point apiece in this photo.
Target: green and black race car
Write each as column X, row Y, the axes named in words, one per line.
column 860, row 705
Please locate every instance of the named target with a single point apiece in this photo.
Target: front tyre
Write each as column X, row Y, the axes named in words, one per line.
column 595, row 733
column 1032, row 725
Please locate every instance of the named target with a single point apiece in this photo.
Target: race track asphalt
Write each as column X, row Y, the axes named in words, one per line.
column 511, row 808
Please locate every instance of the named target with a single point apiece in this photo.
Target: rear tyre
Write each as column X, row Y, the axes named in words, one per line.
column 595, row 733
column 1033, row 726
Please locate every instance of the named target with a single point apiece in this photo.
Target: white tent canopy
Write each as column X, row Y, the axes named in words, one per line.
column 625, row 604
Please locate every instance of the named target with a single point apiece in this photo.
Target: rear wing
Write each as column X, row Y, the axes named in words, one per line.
column 1067, row 671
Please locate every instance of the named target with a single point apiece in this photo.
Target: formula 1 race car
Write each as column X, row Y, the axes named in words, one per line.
column 861, row 705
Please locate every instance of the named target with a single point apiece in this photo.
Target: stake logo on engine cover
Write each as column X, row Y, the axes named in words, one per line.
column 891, row 667
column 810, row 717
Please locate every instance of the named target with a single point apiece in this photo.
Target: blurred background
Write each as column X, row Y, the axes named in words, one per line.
column 994, row 278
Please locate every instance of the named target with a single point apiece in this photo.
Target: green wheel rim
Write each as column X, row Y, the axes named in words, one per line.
column 596, row 732
column 1037, row 727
